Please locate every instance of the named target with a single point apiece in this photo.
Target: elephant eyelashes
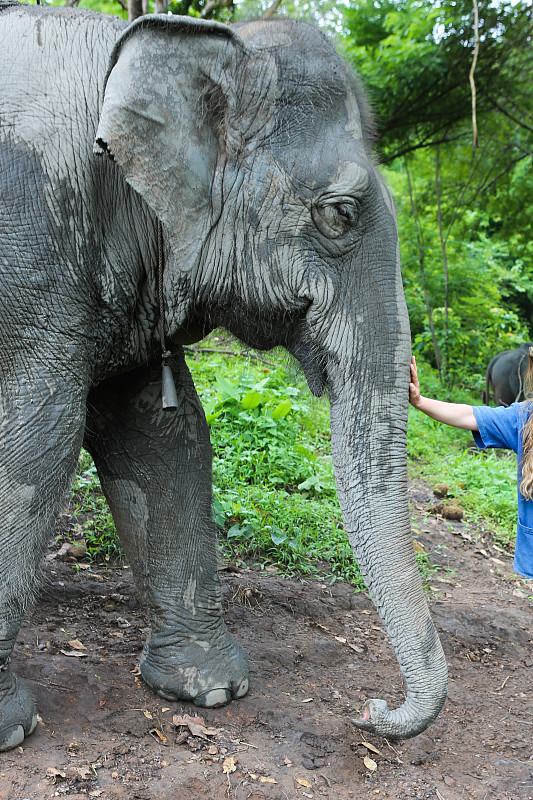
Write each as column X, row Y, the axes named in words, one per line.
column 336, row 216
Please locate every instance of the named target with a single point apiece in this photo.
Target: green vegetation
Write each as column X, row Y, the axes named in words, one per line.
column 274, row 493
column 461, row 190
column 92, row 518
column 273, row 481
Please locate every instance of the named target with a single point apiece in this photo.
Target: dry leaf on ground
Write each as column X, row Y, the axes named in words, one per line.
column 370, row 763
column 196, row 725
column 74, row 653
column 229, row 765
column 371, row 747
column 76, row 645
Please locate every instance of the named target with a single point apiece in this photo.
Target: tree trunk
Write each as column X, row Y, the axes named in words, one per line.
column 444, row 263
column 135, row 9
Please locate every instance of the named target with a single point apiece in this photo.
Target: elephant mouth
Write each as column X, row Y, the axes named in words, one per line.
column 312, row 364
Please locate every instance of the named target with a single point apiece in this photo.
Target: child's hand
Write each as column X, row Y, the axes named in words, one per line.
column 414, row 386
column 458, row 415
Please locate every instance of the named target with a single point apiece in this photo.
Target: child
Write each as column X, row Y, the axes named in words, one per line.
column 504, row 426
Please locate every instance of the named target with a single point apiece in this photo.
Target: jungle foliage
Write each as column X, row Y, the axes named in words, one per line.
column 275, row 502
column 464, row 206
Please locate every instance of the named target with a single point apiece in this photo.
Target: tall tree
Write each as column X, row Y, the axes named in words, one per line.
column 467, row 209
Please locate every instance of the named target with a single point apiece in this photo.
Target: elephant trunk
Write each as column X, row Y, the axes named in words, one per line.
column 368, row 425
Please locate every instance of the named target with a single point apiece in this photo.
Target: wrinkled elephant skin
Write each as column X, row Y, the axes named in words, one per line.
column 504, row 379
column 248, row 147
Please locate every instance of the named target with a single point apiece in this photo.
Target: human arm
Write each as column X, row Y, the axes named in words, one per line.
column 459, row 415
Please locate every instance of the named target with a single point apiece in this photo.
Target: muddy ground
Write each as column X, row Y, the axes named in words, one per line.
column 316, row 652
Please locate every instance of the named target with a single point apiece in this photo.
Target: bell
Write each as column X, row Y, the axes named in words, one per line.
column 169, row 398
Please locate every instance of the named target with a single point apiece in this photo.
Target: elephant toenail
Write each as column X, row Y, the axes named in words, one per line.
column 213, row 698
column 14, row 737
column 242, row 688
column 33, row 725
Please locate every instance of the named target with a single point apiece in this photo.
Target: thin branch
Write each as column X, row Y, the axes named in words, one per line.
column 271, row 10
column 444, row 256
column 211, row 5
column 459, row 203
column 500, row 174
column 221, row 351
column 511, row 116
column 420, row 146
column 471, row 75
column 485, row 183
column 522, row 110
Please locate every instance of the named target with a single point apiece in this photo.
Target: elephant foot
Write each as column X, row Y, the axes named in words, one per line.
column 18, row 714
column 206, row 673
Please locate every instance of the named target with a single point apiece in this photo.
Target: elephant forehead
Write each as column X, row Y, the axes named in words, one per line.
column 306, row 105
column 315, row 137
column 329, row 160
column 314, row 85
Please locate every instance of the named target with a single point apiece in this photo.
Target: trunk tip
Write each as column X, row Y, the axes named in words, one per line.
column 376, row 718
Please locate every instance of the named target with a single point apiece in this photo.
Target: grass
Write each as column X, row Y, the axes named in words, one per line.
column 275, row 497
column 482, row 482
column 92, row 519
column 274, row 493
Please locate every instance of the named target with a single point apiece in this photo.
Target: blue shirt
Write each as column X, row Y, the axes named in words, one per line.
column 502, row 427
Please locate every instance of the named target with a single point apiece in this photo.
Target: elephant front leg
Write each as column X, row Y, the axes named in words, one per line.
column 40, row 438
column 18, row 713
column 155, row 469
column 190, row 655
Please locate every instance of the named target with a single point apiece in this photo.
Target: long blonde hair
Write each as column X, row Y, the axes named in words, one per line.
column 526, row 463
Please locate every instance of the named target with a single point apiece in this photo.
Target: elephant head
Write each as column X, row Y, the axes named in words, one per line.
column 251, row 145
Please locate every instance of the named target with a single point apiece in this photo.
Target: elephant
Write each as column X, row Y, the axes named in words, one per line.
column 160, row 180
column 505, row 376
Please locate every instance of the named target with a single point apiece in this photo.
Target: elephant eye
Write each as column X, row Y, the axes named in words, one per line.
column 335, row 216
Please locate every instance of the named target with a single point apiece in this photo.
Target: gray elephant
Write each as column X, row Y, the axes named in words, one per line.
column 504, row 379
column 158, row 181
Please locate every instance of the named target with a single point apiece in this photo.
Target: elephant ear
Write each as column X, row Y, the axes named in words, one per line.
column 170, row 107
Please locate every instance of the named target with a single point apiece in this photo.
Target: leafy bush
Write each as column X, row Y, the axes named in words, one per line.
column 274, row 493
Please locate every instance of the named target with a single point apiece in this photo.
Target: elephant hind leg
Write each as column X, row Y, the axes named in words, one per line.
column 155, row 470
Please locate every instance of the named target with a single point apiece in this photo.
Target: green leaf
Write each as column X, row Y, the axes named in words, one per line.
column 282, row 409
column 277, row 535
column 251, row 400
column 246, row 531
column 226, row 388
column 302, row 450
column 311, row 483
column 219, row 515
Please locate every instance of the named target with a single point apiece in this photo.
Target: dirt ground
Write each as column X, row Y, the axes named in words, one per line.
column 316, row 652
